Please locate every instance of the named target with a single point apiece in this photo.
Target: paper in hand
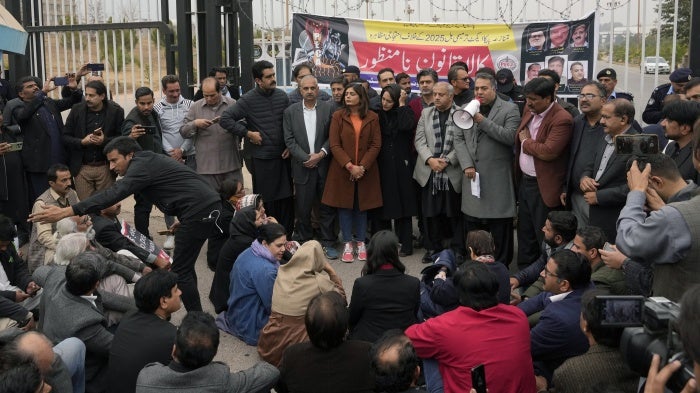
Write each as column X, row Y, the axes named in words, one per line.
column 476, row 185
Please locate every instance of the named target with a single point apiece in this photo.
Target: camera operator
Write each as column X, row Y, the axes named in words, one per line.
column 664, row 238
column 688, row 325
column 665, row 186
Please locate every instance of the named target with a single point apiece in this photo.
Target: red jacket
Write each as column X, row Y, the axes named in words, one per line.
column 498, row 338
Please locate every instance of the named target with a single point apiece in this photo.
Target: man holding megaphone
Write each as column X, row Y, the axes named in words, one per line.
column 486, row 158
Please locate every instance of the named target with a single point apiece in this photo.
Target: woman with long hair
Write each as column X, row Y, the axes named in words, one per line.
column 396, row 162
column 352, row 184
column 385, row 297
column 252, row 278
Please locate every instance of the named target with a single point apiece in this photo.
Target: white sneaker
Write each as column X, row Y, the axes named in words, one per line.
column 169, row 243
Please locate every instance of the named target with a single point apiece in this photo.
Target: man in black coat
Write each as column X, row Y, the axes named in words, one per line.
column 41, row 127
column 174, row 188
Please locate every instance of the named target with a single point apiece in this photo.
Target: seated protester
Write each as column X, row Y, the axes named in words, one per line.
column 395, row 363
column 250, row 214
column 559, row 232
column 678, row 120
column 306, row 275
column 76, row 311
column 252, row 279
column 558, row 336
column 327, row 362
column 19, row 374
column 42, row 242
column 108, row 233
column 192, row 368
column 116, row 297
column 587, row 242
column 19, row 293
column 385, row 297
column 481, row 247
column 437, row 294
column 231, row 191
column 602, row 365
column 480, row 331
column 83, row 224
column 666, row 185
column 63, row 365
column 147, row 329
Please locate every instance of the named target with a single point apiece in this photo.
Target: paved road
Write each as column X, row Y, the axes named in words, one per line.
column 633, row 82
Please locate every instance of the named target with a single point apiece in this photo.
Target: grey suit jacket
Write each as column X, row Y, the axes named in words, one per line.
column 424, row 142
column 488, row 148
column 297, row 141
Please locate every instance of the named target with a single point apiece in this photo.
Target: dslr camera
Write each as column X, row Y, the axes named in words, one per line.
column 649, row 328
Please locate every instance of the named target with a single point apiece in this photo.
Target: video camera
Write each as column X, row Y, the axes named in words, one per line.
column 637, row 147
column 649, row 329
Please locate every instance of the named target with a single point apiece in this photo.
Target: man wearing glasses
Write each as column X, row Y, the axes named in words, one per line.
column 587, row 132
column 458, row 77
column 558, row 336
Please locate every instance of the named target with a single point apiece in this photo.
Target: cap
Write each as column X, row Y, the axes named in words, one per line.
column 507, row 75
column 352, row 70
column 607, row 73
column 681, row 75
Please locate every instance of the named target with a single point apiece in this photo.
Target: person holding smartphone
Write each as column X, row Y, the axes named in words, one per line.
column 143, row 125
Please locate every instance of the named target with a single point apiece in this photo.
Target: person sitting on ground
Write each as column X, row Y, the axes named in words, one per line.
column 480, row 331
column 242, row 232
column 603, row 364
column 148, row 329
column 76, row 311
column 62, row 365
column 557, row 335
column 328, row 362
column 19, row 374
column 192, row 368
column 19, row 293
column 252, row 279
column 113, row 287
column 306, row 275
column 395, row 363
column 385, row 297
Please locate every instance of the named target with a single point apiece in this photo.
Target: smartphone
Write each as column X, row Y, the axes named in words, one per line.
column 638, row 145
column 149, row 129
column 620, row 311
column 479, row 379
column 608, row 247
column 96, row 67
column 16, row 146
column 60, row 81
column 216, row 119
column 97, row 132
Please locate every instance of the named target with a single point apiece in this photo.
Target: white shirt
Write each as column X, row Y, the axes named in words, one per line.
column 310, row 124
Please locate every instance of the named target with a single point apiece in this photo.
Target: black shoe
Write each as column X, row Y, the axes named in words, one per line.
column 428, row 257
column 418, row 242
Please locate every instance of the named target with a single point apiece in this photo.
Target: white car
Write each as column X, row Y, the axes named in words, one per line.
column 650, row 64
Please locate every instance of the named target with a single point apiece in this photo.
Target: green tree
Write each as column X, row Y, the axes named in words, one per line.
column 668, row 17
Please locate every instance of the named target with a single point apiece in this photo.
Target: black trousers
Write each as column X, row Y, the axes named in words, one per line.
column 189, row 238
column 403, row 227
column 306, row 196
column 142, row 213
column 283, row 211
column 532, row 214
column 501, row 230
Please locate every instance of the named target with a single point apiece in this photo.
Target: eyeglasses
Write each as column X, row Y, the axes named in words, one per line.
column 588, row 96
column 548, row 273
column 463, row 79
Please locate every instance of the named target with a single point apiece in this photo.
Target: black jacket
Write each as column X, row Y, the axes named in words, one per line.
column 76, row 129
column 174, row 188
column 18, row 274
column 263, row 112
column 108, row 233
column 36, row 152
column 150, row 142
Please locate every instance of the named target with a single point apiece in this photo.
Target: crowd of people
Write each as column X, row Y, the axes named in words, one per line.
column 86, row 306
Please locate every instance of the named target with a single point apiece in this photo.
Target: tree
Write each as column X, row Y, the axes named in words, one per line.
column 668, row 18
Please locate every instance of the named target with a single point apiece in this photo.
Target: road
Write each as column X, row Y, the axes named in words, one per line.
column 632, row 82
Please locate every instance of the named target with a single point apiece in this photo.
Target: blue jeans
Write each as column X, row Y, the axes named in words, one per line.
column 349, row 218
column 72, row 352
column 433, row 379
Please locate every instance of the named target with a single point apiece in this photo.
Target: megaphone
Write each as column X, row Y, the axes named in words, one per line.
column 464, row 117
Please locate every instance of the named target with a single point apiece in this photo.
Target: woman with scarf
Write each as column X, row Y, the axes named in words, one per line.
column 252, row 278
column 352, row 184
column 306, row 275
column 396, row 162
column 249, row 215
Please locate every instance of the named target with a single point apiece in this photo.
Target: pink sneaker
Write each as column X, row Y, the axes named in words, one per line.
column 348, row 256
column 361, row 251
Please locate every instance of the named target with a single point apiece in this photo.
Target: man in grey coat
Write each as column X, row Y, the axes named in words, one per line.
column 485, row 153
column 305, row 128
column 192, row 369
